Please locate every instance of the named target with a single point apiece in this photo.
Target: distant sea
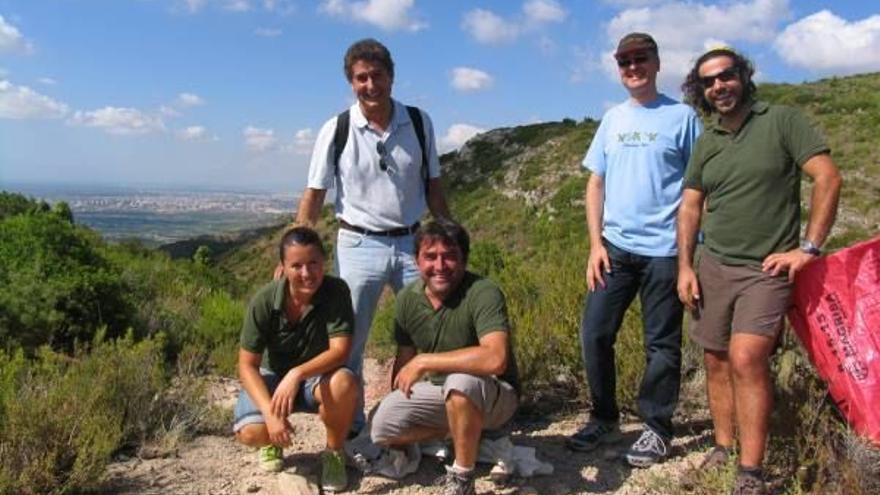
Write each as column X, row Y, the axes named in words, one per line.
column 158, row 215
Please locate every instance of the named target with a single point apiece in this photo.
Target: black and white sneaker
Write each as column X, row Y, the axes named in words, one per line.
column 593, row 434
column 648, row 450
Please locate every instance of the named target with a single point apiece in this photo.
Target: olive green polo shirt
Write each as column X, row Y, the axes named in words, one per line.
column 474, row 309
column 287, row 344
column 751, row 180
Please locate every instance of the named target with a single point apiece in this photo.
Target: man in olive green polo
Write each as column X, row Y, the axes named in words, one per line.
column 745, row 171
column 455, row 372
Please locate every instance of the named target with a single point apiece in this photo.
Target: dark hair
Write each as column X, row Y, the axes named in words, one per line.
column 368, row 50
column 693, row 89
column 447, row 232
column 303, row 236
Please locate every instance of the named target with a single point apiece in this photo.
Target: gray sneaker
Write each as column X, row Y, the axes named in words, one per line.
column 748, row 483
column 648, row 450
column 593, row 434
column 455, row 483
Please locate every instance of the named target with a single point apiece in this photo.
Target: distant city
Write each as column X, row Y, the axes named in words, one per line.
column 160, row 215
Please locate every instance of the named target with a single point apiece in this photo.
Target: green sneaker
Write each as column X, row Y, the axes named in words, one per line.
column 271, row 458
column 333, row 475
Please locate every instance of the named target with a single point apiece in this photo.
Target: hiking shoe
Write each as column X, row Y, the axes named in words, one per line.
column 333, row 475
column 648, row 450
column 456, row 483
column 271, row 458
column 716, row 458
column 594, row 433
column 748, row 482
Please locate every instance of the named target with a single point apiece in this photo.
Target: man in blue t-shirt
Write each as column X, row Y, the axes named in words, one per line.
column 637, row 160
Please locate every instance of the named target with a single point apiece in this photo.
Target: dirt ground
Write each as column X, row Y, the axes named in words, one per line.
column 217, row 465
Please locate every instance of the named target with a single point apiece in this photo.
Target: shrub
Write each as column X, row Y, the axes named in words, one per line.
column 64, row 416
column 55, row 288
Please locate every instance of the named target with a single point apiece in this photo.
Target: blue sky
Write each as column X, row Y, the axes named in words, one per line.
column 232, row 92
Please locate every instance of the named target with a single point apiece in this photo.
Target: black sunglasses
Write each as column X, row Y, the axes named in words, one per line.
column 637, row 60
column 727, row 75
column 383, row 156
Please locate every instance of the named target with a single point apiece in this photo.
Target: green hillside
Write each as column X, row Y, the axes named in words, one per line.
column 104, row 347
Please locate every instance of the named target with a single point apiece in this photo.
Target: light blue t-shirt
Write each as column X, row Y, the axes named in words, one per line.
column 641, row 152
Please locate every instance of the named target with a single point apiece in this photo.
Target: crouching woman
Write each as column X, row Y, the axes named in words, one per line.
column 295, row 338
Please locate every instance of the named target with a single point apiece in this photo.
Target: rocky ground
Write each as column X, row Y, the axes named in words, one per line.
column 217, row 465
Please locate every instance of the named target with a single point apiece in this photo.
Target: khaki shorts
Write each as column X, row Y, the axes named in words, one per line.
column 737, row 299
column 426, row 406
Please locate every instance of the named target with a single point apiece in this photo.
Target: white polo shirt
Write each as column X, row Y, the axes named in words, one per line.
column 367, row 196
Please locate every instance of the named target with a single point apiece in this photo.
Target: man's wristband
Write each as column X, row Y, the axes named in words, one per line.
column 808, row 247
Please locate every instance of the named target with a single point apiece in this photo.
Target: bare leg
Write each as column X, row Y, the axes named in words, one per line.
column 465, row 425
column 338, row 397
column 753, row 392
column 253, row 435
column 719, row 389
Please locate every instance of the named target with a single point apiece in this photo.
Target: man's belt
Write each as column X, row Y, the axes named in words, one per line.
column 399, row 232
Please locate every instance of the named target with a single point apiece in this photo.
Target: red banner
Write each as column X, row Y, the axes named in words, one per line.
column 836, row 315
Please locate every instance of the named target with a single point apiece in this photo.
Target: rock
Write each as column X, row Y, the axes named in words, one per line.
column 294, row 484
column 527, row 490
column 253, row 487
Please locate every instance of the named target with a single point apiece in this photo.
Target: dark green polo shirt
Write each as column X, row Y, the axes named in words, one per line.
column 751, row 179
column 285, row 344
column 476, row 308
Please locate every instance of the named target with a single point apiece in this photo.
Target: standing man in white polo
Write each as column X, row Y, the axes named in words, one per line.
column 385, row 170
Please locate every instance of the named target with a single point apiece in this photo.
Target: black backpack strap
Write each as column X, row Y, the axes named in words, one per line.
column 415, row 115
column 340, row 137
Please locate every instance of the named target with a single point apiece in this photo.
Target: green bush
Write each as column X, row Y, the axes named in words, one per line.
column 55, row 286
column 65, row 415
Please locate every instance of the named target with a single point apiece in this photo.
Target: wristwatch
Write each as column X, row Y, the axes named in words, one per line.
column 808, row 247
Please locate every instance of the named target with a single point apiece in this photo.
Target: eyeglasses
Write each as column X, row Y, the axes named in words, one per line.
column 727, row 75
column 383, row 156
column 637, row 60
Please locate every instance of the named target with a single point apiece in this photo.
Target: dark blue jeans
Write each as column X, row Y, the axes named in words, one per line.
column 654, row 278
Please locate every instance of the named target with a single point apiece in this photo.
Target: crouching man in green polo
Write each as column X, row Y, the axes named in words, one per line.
column 452, row 329
column 295, row 339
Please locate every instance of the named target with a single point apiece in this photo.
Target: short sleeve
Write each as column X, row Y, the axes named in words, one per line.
column 255, row 321
column 489, row 311
column 401, row 336
column 693, row 129
column 594, row 161
column 340, row 321
column 693, row 175
column 802, row 140
column 322, row 173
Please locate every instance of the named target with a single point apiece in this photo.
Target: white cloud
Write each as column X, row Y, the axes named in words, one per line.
column 119, row 120
column 187, row 100
column 466, row 79
column 268, row 32
column 237, row 5
column 11, row 39
column 170, row 112
column 683, row 30
column 584, row 63
column 824, row 42
column 457, row 135
column 389, row 15
column 544, row 11
column 488, row 28
column 633, row 3
column 48, row 81
column 259, row 140
column 21, row 102
column 303, row 142
column 194, row 133
column 194, row 6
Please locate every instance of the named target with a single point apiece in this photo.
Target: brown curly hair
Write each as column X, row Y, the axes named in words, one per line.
column 693, row 89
